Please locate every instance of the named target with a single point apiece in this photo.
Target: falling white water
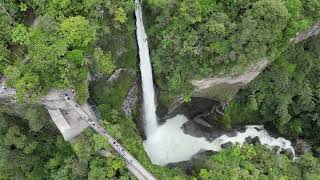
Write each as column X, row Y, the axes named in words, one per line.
column 170, row 144
column 146, row 74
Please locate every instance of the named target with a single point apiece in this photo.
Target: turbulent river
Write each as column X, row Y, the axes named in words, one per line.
column 168, row 143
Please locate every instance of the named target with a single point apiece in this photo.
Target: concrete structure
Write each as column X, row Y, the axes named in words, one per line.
column 67, row 120
column 69, row 127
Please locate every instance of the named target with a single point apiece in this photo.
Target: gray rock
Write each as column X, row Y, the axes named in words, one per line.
column 226, row 145
column 302, row 147
column 276, row 149
column 202, row 122
column 256, row 140
column 312, row 31
column 249, row 140
column 288, row 152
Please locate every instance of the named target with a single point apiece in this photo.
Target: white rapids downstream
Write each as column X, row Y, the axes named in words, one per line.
column 168, row 143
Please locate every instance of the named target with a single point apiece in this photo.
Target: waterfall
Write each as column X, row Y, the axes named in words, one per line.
column 146, row 74
column 169, row 143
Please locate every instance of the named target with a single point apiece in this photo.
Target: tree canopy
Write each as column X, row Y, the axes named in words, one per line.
column 286, row 95
column 196, row 39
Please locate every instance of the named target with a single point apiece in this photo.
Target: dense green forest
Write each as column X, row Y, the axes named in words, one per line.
column 58, row 43
column 257, row 162
column 53, row 50
column 196, row 39
column 286, row 95
column 43, row 154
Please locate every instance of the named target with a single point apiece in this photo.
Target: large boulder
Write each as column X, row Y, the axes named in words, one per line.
column 227, row 145
column 256, row 140
column 288, row 152
column 249, row 140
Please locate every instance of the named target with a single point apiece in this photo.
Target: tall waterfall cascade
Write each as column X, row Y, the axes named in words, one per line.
column 168, row 143
column 146, row 74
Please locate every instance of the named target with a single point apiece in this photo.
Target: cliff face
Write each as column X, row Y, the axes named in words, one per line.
column 223, row 88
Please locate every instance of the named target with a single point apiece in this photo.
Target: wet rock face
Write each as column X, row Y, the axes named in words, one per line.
column 202, row 122
column 258, row 129
column 194, row 129
column 193, row 108
column 203, row 112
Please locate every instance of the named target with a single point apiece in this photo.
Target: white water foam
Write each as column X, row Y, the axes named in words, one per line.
column 146, row 74
column 170, row 144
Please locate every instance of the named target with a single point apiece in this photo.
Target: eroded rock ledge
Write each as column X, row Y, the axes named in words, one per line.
column 242, row 79
column 312, row 31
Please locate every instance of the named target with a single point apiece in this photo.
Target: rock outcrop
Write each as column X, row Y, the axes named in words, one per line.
column 115, row 75
column 210, row 118
column 312, row 31
column 288, row 152
column 225, row 87
column 242, row 79
column 249, row 140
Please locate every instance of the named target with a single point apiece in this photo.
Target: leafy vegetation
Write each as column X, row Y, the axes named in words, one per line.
column 286, row 95
column 55, row 44
column 109, row 101
column 34, row 153
column 257, row 162
column 196, row 39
